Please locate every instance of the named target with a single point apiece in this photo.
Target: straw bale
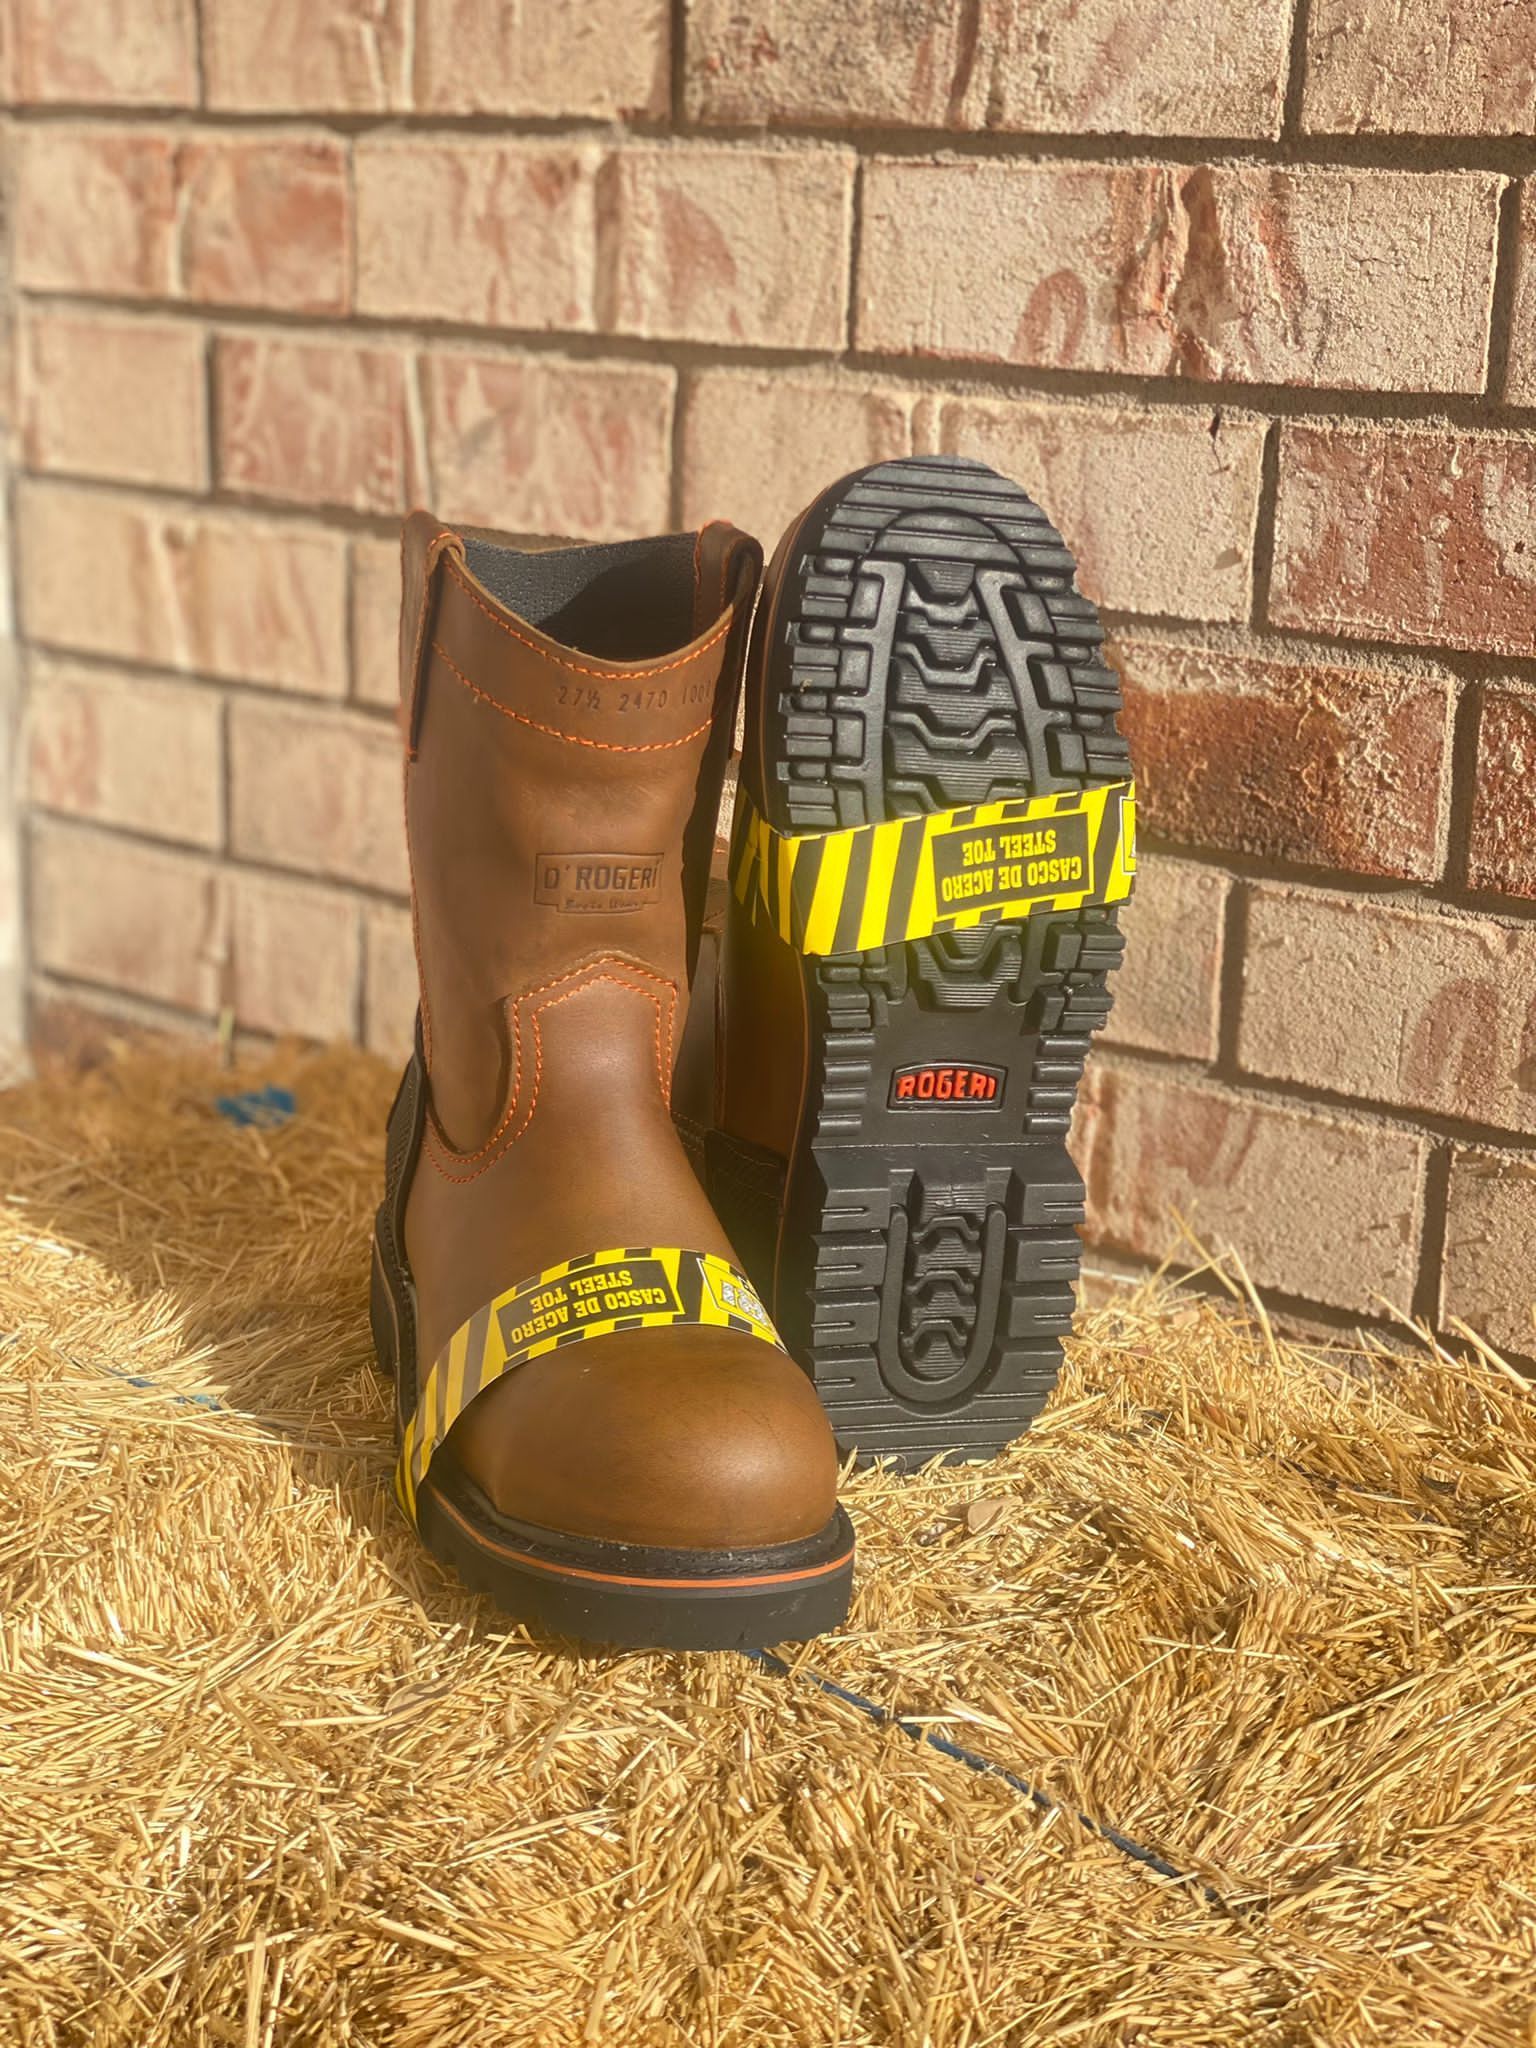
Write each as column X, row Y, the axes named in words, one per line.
column 269, row 1779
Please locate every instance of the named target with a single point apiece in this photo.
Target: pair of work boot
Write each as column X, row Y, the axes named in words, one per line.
column 622, row 1396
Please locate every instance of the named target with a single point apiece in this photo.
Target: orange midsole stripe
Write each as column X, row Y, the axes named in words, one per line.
column 571, row 1571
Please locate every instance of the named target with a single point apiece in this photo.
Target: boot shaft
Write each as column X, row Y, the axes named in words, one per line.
column 568, row 718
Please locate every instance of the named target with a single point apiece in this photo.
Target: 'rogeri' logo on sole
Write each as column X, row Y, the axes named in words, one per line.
column 945, row 1084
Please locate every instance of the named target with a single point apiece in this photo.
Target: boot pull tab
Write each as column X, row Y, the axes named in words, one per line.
column 726, row 566
column 423, row 543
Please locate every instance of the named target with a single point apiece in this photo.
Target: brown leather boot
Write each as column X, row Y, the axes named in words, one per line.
column 934, row 822
column 600, row 1427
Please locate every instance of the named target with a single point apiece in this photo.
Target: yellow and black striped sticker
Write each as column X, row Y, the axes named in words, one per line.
column 601, row 1292
column 947, row 871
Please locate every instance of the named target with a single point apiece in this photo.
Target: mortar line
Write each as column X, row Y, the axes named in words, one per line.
column 1433, row 1227
column 677, row 66
column 1322, row 405
column 682, row 399
column 199, row 56
column 1467, row 716
column 1292, row 131
column 1501, row 305
column 1265, row 516
column 1234, row 959
column 1514, row 154
column 855, row 203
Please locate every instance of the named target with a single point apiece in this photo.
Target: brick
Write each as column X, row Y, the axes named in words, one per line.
column 266, row 223
column 1502, row 853
column 542, row 447
column 126, row 750
column 138, row 212
column 106, row 52
column 1489, row 1278
column 1365, row 279
column 1521, row 386
column 714, row 243
column 296, row 957
column 1324, row 1207
column 1411, row 1008
column 220, row 593
column 317, row 790
column 376, row 622
column 109, row 911
column 95, row 210
column 1305, row 762
column 114, row 397
column 759, row 445
column 603, row 58
column 1407, row 534
column 317, row 422
column 1158, row 506
column 1168, row 993
column 1103, row 67
column 390, row 983
column 499, row 234
column 308, row 56
column 1413, row 67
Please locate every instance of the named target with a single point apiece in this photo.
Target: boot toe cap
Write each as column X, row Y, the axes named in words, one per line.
column 688, row 1441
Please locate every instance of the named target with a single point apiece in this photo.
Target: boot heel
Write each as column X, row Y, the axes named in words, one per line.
column 931, row 1289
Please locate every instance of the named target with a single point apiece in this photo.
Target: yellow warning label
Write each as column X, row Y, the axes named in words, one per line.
column 592, row 1296
column 907, row 878
column 976, row 869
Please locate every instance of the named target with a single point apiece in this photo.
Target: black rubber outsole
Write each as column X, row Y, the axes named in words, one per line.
column 627, row 1596
column 928, row 649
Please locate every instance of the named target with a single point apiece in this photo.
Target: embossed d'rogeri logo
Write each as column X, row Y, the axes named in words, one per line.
column 597, row 883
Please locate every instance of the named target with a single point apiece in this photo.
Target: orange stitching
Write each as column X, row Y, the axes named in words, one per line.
column 517, row 1072
column 608, row 674
column 664, row 1073
column 585, row 978
column 538, row 1070
column 582, row 973
column 553, row 732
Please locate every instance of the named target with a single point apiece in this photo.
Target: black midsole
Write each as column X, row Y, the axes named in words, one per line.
column 562, row 1551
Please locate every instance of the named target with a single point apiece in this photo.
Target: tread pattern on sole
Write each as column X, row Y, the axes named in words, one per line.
column 933, row 651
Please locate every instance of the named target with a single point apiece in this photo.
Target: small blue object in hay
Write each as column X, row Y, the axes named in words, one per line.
column 260, row 1106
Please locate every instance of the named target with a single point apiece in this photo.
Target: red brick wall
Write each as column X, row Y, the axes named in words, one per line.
column 1245, row 295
